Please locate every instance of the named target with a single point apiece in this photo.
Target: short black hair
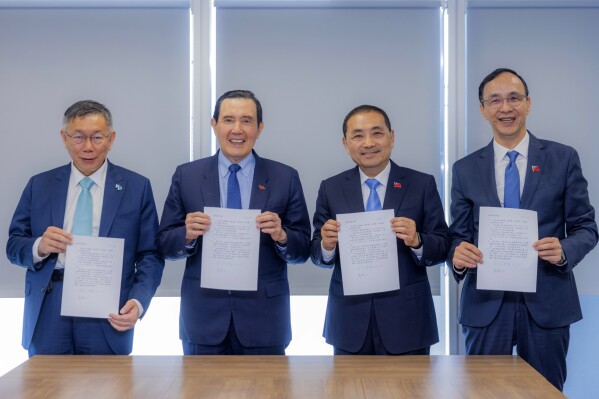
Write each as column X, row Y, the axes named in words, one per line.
column 84, row 108
column 238, row 94
column 360, row 109
column 493, row 75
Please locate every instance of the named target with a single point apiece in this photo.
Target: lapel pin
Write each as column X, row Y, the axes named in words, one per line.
column 118, row 187
column 261, row 187
column 535, row 168
column 396, row 185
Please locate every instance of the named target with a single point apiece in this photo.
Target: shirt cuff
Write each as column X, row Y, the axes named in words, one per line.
column 418, row 251
column 460, row 272
column 282, row 249
column 36, row 257
column 327, row 255
column 563, row 261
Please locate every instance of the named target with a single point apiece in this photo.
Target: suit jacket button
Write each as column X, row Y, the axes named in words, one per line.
column 180, row 252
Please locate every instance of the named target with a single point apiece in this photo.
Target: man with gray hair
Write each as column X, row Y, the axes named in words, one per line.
column 89, row 196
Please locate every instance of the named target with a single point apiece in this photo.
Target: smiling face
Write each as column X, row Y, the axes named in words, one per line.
column 508, row 121
column 237, row 128
column 369, row 142
column 87, row 156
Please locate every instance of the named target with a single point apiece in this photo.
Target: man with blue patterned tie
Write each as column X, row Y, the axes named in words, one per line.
column 517, row 170
column 398, row 322
column 89, row 196
column 214, row 321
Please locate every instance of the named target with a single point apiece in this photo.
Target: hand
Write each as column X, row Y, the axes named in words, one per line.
column 196, row 224
column 127, row 318
column 330, row 234
column 270, row 223
column 54, row 241
column 405, row 229
column 549, row 249
column 466, row 255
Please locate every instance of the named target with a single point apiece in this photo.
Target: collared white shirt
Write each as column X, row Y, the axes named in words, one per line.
column 502, row 160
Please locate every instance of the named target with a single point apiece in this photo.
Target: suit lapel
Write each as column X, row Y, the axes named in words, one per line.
column 534, row 170
column 260, row 187
column 209, row 184
column 486, row 171
column 352, row 191
column 59, row 195
column 396, row 188
column 114, row 190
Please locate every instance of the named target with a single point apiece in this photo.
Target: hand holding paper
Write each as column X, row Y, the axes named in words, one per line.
column 549, row 249
column 330, row 234
column 467, row 255
column 405, row 229
column 270, row 223
column 196, row 225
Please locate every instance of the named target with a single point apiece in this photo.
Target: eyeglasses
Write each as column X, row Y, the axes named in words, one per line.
column 79, row 138
column 513, row 100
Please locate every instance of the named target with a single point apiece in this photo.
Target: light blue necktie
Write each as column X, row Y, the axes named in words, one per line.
column 511, row 189
column 82, row 222
column 233, row 193
column 374, row 202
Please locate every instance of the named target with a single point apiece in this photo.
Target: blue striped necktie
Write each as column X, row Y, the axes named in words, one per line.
column 374, row 202
column 82, row 221
column 511, row 189
column 233, row 193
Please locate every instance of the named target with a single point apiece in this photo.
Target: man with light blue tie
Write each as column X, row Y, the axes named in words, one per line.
column 89, row 196
column 399, row 322
column 216, row 321
column 518, row 170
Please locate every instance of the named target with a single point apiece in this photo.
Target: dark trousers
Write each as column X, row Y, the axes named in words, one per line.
column 373, row 344
column 230, row 346
column 64, row 335
column 545, row 349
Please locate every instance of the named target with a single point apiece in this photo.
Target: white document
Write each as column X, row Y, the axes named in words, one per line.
column 230, row 250
column 92, row 277
column 368, row 252
column 505, row 238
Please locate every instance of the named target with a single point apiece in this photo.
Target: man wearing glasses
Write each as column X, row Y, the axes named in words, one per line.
column 89, row 196
column 518, row 170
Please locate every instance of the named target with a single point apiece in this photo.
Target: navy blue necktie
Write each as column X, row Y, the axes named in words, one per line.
column 233, row 193
column 82, row 221
column 511, row 189
column 374, row 202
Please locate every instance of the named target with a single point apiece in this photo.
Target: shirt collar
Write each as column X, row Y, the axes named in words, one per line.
column 224, row 163
column 382, row 177
column 522, row 148
column 99, row 176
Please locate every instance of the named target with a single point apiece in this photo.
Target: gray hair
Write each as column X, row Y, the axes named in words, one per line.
column 84, row 108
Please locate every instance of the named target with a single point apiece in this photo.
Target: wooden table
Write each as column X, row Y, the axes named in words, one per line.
column 306, row 377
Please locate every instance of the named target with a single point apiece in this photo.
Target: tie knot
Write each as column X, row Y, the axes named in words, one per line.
column 234, row 168
column 512, row 155
column 372, row 183
column 86, row 183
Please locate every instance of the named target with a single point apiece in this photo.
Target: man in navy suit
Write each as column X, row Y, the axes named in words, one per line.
column 41, row 230
column 214, row 321
column 386, row 323
column 550, row 183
